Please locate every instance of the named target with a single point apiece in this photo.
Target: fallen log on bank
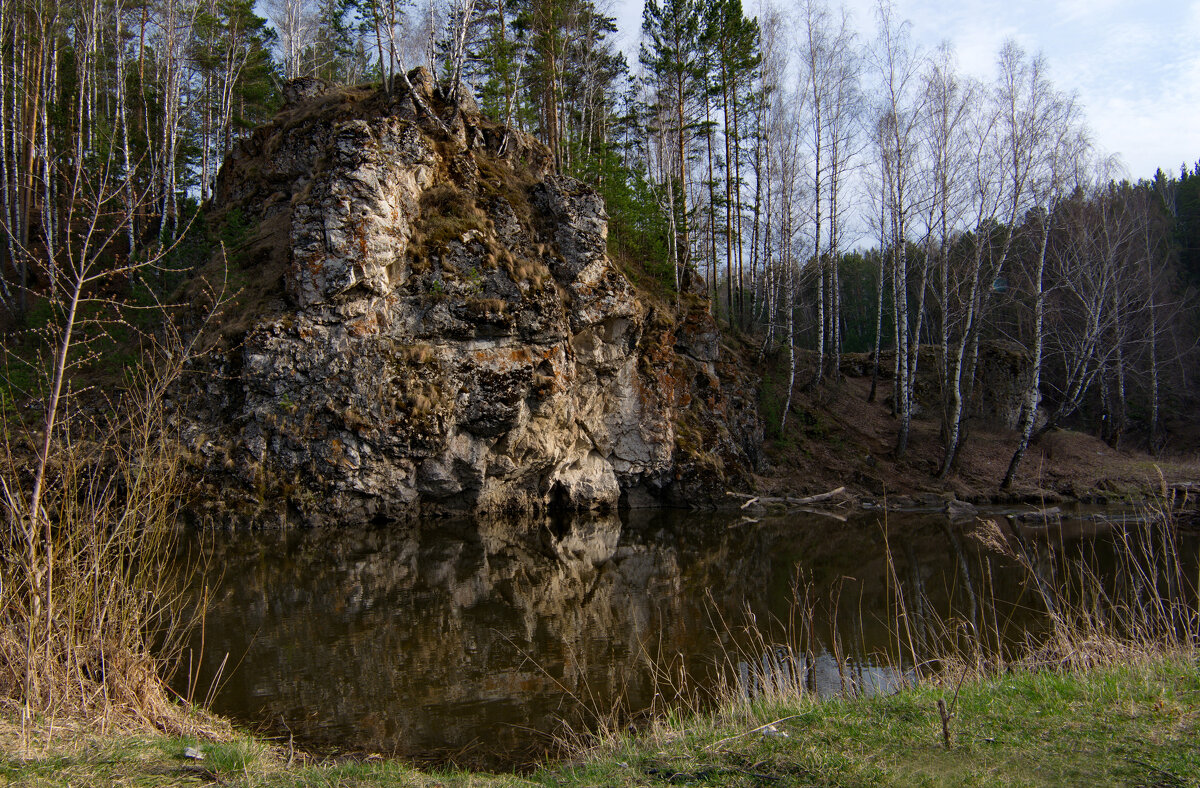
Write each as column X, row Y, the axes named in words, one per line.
column 841, row 518
column 787, row 500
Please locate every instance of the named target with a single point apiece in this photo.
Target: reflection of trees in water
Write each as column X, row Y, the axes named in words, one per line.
column 430, row 638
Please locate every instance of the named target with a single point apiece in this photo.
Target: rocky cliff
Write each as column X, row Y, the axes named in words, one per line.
column 425, row 318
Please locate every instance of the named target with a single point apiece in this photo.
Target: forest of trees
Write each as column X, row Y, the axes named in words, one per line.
column 838, row 189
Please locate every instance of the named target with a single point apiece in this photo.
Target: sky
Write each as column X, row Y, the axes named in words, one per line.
column 1134, row 64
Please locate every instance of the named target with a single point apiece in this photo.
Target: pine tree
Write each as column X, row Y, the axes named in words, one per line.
column 230, row 51
column 734, row 42
column 338, row 54
column 1186, row 211
column 496, row 65
column 672, row 56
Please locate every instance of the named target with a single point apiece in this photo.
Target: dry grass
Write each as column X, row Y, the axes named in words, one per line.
column 1142, row 609
column 524, row 269
column 1147, row 606
column 447, row 214
column 88, row 620
column 418, row 354
column 1103, row 692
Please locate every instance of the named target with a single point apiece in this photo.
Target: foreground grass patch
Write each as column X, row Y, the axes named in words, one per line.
column 1111, row 726
column 242, row 761
column 1131, row 725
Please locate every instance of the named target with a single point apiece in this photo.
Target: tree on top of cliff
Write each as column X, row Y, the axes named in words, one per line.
column 672, row 57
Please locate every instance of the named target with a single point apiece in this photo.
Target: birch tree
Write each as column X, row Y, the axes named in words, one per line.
column 1007, row 143
column 830, row 75
column 949, row 99
column 898, row 111
column 296, row 22
column 1062, row 153
column 1100, row 230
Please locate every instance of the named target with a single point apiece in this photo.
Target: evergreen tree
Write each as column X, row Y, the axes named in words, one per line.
column 734, row 42
column 338, row 54
column 672, row 57
column 496, row 64
column 230, row 50
column 1186, row 211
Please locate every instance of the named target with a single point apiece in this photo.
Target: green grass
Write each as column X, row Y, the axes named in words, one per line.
column 243, row 761
column 1113, row 726
column 1127, row 725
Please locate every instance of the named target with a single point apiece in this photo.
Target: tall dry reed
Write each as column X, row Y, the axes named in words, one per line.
column 1139, row 601
column 1122, row 595
column 87, row 602
column 89, row 489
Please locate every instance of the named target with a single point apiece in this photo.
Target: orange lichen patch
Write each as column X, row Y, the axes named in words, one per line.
column 337, row 451
column 683, row 395
column 363, row 326
column 503, row 359
column 657, row 365
column 360, row 235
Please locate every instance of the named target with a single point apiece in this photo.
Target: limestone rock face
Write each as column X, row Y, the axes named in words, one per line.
column 1004, row 370
column 426, row 321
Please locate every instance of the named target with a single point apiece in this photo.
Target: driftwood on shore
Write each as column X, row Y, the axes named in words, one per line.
column 787, row 500
column 841, row 518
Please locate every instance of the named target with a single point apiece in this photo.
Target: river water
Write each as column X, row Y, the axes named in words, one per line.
column 479, row 643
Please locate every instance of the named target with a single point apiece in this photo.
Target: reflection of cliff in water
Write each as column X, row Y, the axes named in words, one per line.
column 428, row 640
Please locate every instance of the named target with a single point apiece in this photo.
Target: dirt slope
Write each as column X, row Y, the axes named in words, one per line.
column 835, row 437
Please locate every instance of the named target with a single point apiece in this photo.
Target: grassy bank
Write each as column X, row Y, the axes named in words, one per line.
column 1133, row 724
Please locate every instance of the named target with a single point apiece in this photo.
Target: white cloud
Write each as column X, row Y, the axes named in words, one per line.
column 1083, row 10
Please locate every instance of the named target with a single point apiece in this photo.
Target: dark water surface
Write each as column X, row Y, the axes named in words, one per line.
column 475, row 642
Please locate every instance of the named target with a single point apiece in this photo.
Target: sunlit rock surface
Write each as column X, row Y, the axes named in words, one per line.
column 424, row 319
